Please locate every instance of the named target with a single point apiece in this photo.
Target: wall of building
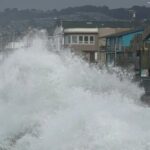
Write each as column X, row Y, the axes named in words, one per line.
column 119, row 45
column 83, row 48
column 102, row 41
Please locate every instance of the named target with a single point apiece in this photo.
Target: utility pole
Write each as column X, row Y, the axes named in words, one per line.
column 132, row 16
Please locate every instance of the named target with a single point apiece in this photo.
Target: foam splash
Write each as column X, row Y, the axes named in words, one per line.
column 56, row 101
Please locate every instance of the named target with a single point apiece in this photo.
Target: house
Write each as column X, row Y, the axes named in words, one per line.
column 141, row 44
column 103, row 33
column 145, row 54
column 82, row 41
column 81, row 38
column 134, row 53
column 117, row 45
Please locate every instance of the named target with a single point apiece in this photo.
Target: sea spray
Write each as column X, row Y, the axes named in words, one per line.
column 55, row 101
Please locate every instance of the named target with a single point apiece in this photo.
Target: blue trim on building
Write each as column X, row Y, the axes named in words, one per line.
column 117, row 43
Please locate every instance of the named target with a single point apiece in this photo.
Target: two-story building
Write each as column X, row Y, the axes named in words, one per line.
column 103, row 33
column 81, row 37
column 82, row 41
column 145, row 54
column 141, row 44
column 117, row 45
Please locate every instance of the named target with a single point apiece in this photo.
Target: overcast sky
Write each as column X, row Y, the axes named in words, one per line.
column 58, row 4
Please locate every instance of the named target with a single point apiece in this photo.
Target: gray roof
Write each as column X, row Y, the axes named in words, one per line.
column 124, row 33
column 95, row 24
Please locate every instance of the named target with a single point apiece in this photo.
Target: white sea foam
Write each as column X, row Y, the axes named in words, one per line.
column 56, row 101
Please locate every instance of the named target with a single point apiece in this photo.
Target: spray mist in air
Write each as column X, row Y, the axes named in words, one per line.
column 54, row 100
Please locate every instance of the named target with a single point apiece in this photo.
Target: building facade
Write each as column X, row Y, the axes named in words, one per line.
column 117, row 46
column 87, row 38
column 145, row 54
column 103, row 33
column 82, row 41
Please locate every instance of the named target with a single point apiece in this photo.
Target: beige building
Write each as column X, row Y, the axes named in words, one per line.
column 82, row 41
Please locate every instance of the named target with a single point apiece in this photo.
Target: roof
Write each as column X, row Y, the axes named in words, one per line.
column 81, row 30
column 124, row 33
column 94, row 24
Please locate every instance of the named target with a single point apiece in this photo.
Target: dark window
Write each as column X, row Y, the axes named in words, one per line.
column 91, row 39
column 81, row 39
column 86, row 39
column 67, row 39
column 74, row 39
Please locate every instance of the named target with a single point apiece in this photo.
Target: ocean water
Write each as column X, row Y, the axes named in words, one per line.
column 54, row 100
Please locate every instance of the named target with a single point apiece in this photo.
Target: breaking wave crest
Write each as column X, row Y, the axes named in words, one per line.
column 55, row 101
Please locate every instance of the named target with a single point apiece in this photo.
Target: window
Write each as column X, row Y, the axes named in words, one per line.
column 91, row 39
column 80, row 39
column 74, row 39
column 86, row 39
column 67, row 39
